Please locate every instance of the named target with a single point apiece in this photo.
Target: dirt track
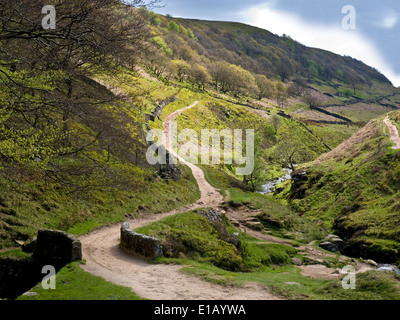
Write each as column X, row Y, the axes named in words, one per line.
column 160, row 282
column 394, row 133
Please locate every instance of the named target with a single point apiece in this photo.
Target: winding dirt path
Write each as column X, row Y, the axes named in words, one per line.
column 394, row 133
column 210, row 197
column 160, row 282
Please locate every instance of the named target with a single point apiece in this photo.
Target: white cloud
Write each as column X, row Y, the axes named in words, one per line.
column 389, row 21
column 329, row 37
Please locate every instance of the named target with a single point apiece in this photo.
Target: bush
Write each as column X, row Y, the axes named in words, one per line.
column 174, row 26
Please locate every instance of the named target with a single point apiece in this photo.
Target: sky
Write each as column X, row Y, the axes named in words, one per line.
column 369, row 30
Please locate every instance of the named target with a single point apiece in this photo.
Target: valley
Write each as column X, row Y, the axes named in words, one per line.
column 75, row 132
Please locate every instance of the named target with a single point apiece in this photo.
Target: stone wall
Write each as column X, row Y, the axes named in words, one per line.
column 57, row 248
column 18, row 275
column 139, row 244
column 52, row 247
column 166, row 171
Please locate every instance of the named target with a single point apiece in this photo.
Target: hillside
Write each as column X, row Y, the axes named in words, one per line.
column 77, row 104
column 262, row 52
column 336, row 190
column 332, row 95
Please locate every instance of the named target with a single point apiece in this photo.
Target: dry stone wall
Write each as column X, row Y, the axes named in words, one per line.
column 57, row 248
column 139, row 244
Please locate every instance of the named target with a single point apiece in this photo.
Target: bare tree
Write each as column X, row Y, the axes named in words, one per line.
column 298, row 87
column 289, row 152
column 312, row 100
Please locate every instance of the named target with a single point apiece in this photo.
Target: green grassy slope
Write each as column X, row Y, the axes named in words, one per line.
column 72, row 153
column 98, row 186
column 354, row 191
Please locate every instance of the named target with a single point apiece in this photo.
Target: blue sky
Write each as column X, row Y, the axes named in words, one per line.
column 315, row 23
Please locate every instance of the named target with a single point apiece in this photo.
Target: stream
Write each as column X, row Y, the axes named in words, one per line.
column 388, row 267
column 269, row 187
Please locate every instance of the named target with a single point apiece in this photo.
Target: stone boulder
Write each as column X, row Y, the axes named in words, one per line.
column 337, row 241
column 211, row 215
column 326, row 245
column 170, row 172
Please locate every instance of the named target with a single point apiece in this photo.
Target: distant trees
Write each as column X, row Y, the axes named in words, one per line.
column 160, row 43
column 312, row 100
column 220, row 73
column 181, row 49
column 285, row 68
column 276, row 122
column 281, row 94
column 298, row 87
column 231, row 78
column 198, row 75
column 266, row 87
column 183, row 69
column 158, row 62
column 174, row 26
column 191, row 34
column 152, row 17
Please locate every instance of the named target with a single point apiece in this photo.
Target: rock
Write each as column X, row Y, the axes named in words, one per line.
column 20, row 242
column 234, row 239
column 292, row 283
column 211, row 215
column 235, row 222
column 170, row 172
column 329, row 237
column 371, row 262
column 254, row 225
column 337, row 271
column 297, row 261
column 336, row 240
column 299, row 179
column 329, row 246
column 271, row 222
column 30, row 294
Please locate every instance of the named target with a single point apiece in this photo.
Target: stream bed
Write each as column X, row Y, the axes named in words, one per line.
column 388, row 267
column 269, row 187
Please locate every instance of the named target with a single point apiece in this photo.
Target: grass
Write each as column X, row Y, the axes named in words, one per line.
column 73, row 283
column 268, row 264
column 15, row 254
column 287, row 224
column 37, row 206
column 340, row 194
column 190, row 234
column 360, row 113
column 332, row 134
column 288, row 283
